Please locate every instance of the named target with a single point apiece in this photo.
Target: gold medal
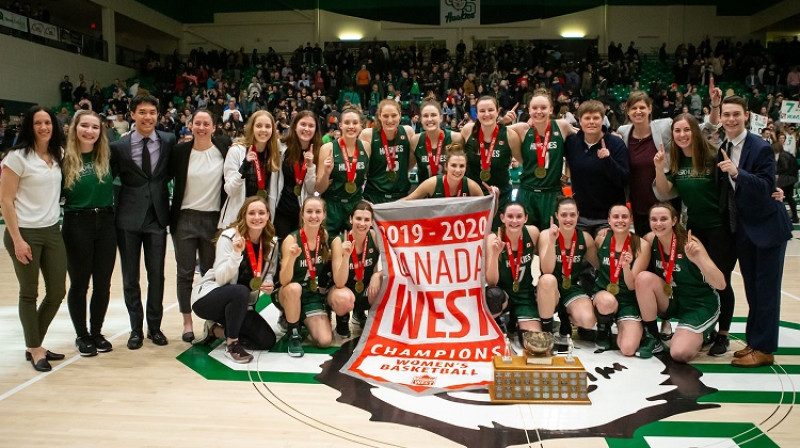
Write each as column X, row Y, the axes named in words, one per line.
column 297, row 190
column 359, row 286
column 350, row 187
column 262, row 193
column 485, row 175
column 312, row 285
column 566, row 283
column 668, row 289
column 613, row 288
column 540, row 172
column 255, row 284
column 391, row 175
column 515, row 286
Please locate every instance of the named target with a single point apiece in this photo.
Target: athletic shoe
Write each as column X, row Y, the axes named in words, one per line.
column 666, row 330
column 561, row 342
column 720, row 345
column 587, row 334
column 85, row 346
column 603, row 341
column 649, row 346
column 102, row 344
column 359, row 318
column 295, row 344
column 208, row 334
column 235, row 352
column 343, row 325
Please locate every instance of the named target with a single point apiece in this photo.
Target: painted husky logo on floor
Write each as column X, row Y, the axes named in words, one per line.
column 626, row 394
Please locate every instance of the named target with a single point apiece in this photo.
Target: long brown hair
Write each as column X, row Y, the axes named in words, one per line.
column 324, row 250
column 294, row 149
column 73, row 162
column 240, row 224
column 273, row 153
column 677, row 228
column 703, row 152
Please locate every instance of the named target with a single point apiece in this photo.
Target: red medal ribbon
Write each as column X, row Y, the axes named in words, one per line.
column 673, row 246
column 358, row 266
column 391, row 156
column 348, row 165
column 566, row 263
column 434, row 167
column 542, row 149
column 312, row 267
column 615, row 269
column 300, row 172
column 259, row 172
column 515, row 264
column 486, row 157
column 256, row 267
column 447, row 187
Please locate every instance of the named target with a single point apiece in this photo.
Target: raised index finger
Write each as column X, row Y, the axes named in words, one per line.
column 711, row 83
column 515, row 107
column 603, row 143
column 724, row 154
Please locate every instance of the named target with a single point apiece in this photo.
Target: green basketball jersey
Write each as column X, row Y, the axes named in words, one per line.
column 530, row 159
column 421, row 154
column 438, row 192
column 580, row 254
column 688, row 283
column 525, row 277
column 336, row 190
column 603, row 275
column 499, row 164
column 370, row 264
column 378, row 183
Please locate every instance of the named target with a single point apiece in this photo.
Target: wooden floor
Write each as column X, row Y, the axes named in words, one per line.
column 149, row 398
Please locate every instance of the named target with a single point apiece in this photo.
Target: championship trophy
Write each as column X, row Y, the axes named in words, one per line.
column 537, row 376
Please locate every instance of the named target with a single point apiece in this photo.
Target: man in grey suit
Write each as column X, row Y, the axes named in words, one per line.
column 140, row 160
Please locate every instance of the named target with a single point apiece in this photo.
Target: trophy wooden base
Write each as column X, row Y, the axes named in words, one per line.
column 556, row 383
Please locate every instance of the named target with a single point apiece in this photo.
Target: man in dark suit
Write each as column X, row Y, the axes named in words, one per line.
column 762, row 228
column 140, row 160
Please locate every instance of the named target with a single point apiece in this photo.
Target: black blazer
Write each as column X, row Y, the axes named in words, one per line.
column 179, row 169
column 139, row 192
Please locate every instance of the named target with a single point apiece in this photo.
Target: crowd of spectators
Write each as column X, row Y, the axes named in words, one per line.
column 234, row 84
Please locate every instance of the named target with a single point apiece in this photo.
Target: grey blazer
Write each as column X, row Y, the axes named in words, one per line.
column 139, row 192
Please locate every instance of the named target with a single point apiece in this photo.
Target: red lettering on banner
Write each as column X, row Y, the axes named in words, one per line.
column 408, row 314
column 466, row 266
column 421, row 266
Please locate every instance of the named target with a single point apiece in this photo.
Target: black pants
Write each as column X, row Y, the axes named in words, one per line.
column 228, row 306
column 193, row 237
column 153, row 239
column 721, row 247
column 788, row 191
column 91, row 243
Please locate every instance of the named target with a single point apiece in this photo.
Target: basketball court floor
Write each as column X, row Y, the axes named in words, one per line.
column 184, row 396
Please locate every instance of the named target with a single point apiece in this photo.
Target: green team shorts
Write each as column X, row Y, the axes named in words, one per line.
column 540, row 205
column 696, row 316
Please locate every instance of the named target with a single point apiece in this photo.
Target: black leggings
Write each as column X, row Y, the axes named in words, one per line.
column 91, row 242
column 721, row 247
column 228, row 306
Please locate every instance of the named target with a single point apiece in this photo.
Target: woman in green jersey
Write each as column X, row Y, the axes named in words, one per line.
column 429, row 145
column 452, row 183
column 680, row 283
column 622, row 255
column 563, row 250
column 356, row 272
column 344, row 164
column 388, row 170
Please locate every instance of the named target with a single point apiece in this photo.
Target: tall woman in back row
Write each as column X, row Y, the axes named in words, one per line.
column 489, row 150
column 430, row 145
column 389, row 164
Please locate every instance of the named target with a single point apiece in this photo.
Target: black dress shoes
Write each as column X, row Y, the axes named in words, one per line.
column 42, row 365
column 135, row 340
column 50, row 356
column 157, row 337
column 188, row 336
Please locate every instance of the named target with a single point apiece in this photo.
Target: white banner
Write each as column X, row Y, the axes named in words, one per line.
column 43, row 29
column 12, row 20
column 790, row 112
column 460, row 12
column 757, row 122
column 431, row 330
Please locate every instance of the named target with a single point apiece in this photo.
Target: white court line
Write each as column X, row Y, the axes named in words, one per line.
column 60, row 366
column 782, row 291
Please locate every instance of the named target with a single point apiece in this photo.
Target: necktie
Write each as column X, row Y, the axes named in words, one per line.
column 728, row 191
column 146, row 157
